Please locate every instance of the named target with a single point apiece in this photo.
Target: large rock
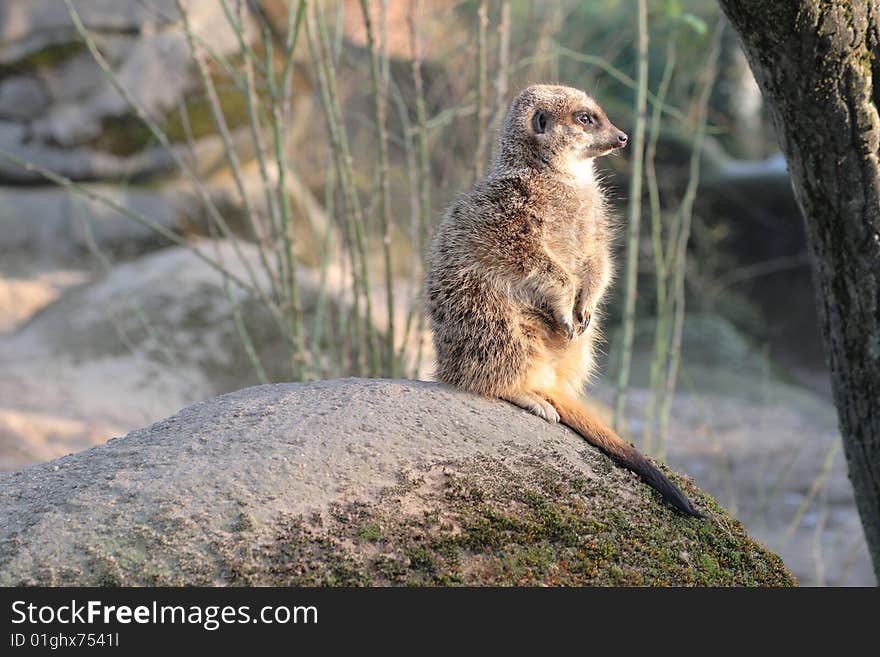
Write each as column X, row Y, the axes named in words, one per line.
column 358, row 482
column 147, row 338
column 27, row 26
column 30, row 287
column 60, row 110
column 52, row 222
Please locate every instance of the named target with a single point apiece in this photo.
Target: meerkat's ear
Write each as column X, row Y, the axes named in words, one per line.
column 539, row 122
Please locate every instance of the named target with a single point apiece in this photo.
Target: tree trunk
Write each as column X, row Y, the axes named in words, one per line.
column 815, row 62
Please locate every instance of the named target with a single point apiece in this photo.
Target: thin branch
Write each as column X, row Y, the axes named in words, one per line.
column 686, row 213
column 658, row 358
column 424, row 172
column 503, row 72
column 379, row 79
column 162, row 138
column 482, row 100
column 634, row 218
column 228, row 146
column 278, row 126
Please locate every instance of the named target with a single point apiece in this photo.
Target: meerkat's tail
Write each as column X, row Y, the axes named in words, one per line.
column 576, row 416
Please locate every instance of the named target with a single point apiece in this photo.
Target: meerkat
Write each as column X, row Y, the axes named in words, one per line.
column 519, row 265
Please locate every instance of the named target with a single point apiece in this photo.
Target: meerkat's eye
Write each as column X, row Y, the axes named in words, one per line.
column 584, row 118
column 539, row 122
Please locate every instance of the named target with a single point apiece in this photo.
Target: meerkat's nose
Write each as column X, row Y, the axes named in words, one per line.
column 622, row 139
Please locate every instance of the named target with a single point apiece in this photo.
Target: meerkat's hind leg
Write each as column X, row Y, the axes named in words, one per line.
column 533, row 404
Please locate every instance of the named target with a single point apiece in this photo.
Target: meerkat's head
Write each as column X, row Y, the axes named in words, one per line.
column 556, row 127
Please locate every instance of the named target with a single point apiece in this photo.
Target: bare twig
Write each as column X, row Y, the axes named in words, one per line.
column 353, row 224
column 482, row 100
column 815, row 488
column 228, row 145
column 658, row 358
column 276, row 104
column 677, row 297
column 634, row 217
column 379, row 78
column 503, row 72
column 424, row 173
column 162, row 138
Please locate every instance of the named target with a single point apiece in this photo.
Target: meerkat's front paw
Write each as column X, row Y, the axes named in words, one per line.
column 562, row 304
column 583, row 318
column 567, row 324
column 582, row 311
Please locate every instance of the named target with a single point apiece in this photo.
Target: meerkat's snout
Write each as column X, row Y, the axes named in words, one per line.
column 610, row 139
column 602, row 136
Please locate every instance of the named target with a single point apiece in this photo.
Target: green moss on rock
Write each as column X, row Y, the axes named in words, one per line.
column 524, row 517
column 43, row 58
column 126, row 134
column 511, row 528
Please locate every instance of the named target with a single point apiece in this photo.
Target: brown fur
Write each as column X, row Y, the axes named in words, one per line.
column 519, row 266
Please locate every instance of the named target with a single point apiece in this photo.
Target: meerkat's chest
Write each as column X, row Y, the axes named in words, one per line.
column 576, row 230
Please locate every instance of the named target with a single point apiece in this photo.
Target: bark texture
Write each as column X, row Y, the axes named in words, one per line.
column 816, row 62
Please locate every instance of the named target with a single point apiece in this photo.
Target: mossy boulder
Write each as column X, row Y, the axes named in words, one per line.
column 359, row 482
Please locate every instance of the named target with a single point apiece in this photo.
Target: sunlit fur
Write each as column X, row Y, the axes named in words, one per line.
column 516, row 258
column 520, row 259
